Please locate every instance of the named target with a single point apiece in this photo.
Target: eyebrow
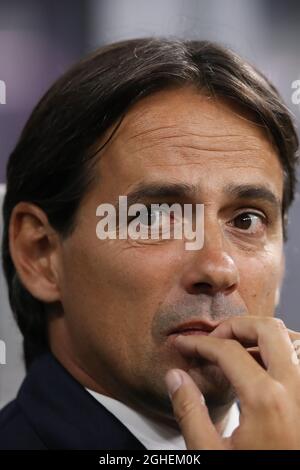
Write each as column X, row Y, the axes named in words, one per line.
column 161, row 190
column 253, row 192
column 177, row 191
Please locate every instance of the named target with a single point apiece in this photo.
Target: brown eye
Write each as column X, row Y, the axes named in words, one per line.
column 249, row 222
column 156, row 217
column 148, row 217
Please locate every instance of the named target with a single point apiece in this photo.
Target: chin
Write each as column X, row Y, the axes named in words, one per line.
column 218, row 392
column 215, row 387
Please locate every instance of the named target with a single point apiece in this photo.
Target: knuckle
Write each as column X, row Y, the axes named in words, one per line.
column 270, row 397
column 278, row 323
column 275, row 323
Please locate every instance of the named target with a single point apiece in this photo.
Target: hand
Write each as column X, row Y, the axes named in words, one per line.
column 269, row 393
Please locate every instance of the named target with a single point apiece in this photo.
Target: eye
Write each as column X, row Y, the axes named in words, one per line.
column 250, row 222
column 152, row 216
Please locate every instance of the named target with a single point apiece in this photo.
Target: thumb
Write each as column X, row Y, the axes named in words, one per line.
column 191, row 412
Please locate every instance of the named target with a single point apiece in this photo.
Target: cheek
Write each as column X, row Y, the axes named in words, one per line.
column 259, row 280
column 118, row 285
column 135, row 280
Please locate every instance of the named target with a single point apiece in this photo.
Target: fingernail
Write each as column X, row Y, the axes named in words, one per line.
column 173, row 381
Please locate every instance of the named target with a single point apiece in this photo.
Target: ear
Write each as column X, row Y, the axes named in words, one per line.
column 281, row 277
column 35, row 250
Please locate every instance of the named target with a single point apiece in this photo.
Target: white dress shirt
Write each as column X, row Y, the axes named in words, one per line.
column 153, row 435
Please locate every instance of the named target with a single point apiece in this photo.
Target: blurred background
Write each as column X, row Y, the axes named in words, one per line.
column 40, row 40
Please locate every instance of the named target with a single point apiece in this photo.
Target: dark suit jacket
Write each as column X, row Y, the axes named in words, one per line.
column 53, row 411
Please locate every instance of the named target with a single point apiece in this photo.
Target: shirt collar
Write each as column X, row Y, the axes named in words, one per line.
column 153, row 435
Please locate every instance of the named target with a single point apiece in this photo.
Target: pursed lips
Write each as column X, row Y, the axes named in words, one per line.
column 193, row 328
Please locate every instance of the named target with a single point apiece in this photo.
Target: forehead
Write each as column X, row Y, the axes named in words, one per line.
column 182, row 135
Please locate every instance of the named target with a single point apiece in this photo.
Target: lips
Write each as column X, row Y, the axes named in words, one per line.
column 193, row 328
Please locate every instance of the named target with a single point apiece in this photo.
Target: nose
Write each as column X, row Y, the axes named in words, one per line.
column 212, row 269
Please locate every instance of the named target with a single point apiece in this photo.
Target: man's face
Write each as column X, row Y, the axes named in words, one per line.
column 121, row 298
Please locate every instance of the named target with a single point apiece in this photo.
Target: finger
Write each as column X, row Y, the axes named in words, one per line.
column 242, row 371
column 294, row 335
column 226, row 333
column 191, row 412
column 224, row 330
column 270, row 335
column 254, row 352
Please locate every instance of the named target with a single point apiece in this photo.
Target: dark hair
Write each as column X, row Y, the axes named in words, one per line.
column 51, row 164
